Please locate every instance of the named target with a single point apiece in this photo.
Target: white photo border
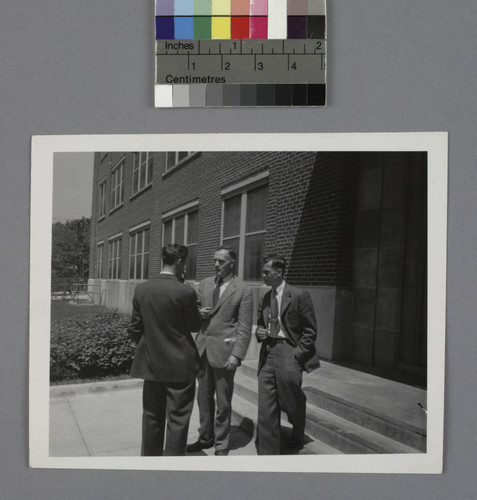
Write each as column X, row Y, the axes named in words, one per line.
column 43, row 149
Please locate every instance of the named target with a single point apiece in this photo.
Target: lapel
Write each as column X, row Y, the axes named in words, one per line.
column 266, row 307
column 286, row 300
column 225, row 294
column 208, row 292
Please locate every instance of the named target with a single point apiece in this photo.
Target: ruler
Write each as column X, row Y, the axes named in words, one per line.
column 247, row 61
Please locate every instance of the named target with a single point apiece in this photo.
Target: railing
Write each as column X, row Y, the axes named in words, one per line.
column 80, row 290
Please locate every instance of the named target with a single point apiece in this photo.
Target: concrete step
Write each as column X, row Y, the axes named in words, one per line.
column 244, row 415
column 322, row 425
column 403, row 432
column 349, row 437
column 246, row 387
column 249, row 368
column 383, row 424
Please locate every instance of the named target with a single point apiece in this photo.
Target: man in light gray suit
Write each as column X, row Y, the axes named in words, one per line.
column 226, row 307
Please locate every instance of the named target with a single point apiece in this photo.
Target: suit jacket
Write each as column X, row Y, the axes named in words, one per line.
column 163, row 317
column 298, row 320
column 229, row 327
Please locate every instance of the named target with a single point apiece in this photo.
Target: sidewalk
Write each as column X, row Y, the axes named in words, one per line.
column 104, row 419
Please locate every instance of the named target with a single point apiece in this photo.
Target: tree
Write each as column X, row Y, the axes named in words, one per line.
column 70, row 250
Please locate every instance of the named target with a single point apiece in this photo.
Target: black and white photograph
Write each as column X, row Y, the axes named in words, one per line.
column 238, row 247
column 242, row 302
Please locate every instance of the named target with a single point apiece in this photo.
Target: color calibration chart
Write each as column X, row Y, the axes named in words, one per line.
column 215, row 53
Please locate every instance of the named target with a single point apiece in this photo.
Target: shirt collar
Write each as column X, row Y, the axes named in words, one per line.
column 225, row 280
column 280, row 288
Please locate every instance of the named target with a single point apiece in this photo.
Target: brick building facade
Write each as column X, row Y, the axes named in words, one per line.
column 351, row 225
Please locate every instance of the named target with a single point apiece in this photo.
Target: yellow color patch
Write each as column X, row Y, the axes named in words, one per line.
column 221, row 28
column 221, row 8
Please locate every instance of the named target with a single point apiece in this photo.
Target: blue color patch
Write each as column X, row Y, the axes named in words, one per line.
column 164, row 28
column 183, row 28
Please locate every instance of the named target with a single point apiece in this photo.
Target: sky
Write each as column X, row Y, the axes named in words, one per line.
column 72, row 185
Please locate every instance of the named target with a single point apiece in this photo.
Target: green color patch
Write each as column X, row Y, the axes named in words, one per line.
column 202, row 28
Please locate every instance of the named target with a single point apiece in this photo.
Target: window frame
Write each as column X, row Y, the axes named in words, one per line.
column 117, row 185
column 242, row 189
column 133, row 232
column 99, row 259
column 102, row 198
column 137, row 166
column 115, row 243
column 177, row 162
column 183, row 211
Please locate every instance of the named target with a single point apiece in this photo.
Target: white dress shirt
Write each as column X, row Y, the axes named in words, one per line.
column 225, row 284
column 280, row 289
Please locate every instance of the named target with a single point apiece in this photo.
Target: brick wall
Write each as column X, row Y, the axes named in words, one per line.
column 206, row 176
column 309, row 210
column 135, row 210
column 311, row 217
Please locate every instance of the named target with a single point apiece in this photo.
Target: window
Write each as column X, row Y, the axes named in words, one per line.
column 114, row 260
column 102, row 198
column 244, row 225
column 99, row 260
column 139, row 253
column 142, row 171
column 117, row 185
column 173, row 158
column 181, row 227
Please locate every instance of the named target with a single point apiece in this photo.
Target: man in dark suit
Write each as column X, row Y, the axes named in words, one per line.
column 163, row 317
column 286, row 327
column 226, row 308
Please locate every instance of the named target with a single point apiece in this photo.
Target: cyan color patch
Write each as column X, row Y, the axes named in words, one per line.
column 183, row 28
column 184, row 8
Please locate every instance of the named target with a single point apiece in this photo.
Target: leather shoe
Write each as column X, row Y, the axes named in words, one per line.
column 198, row 446
column 221, row 453
column 294, row 445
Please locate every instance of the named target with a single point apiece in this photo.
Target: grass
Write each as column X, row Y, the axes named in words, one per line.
column 62, row 310
column 89, row 380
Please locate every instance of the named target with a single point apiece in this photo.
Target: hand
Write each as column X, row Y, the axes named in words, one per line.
column 232, row 363
column 261, row 333
column 205, row 312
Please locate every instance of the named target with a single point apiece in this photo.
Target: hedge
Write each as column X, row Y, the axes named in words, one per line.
column 90, row 348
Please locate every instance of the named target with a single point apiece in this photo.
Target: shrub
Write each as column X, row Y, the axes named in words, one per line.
column 90, row 348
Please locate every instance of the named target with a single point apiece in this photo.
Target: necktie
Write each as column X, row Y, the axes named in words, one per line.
column 274, row 321
column 216, row 292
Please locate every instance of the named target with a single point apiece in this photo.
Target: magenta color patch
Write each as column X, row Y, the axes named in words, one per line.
column 258, row 27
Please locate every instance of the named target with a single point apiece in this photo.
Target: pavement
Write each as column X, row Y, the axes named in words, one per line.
column 104, row 418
